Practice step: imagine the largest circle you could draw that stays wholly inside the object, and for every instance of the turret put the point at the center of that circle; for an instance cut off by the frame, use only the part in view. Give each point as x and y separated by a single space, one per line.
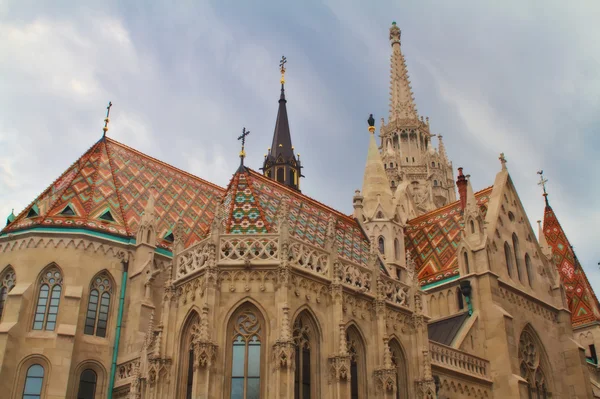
280 163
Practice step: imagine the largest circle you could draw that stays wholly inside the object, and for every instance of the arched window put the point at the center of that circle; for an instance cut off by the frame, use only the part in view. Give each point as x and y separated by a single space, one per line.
515 241
472 225
280 175
98 306
459 299
34 382
508 258
190 330
532 359
356 349
433 164
529 270
306 373
435 183
48 300
292 178
87 385
8 279
246 337
397 253
466 260
399 363
381 245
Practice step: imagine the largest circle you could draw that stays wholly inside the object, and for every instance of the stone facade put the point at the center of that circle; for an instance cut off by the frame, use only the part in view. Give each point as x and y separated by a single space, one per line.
258 291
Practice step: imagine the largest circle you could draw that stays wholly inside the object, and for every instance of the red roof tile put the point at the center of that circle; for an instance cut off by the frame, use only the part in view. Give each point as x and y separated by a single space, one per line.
115 178
433 240
583 303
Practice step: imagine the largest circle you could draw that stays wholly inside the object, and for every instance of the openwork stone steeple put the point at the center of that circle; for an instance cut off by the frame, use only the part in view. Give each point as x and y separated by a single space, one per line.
411 162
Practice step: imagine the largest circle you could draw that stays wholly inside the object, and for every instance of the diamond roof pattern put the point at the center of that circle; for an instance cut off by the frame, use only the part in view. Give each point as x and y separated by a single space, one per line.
583 303
115 178
433 240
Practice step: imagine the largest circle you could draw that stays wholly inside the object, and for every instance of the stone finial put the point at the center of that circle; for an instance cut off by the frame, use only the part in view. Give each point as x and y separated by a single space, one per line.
503 160
387 353
286 333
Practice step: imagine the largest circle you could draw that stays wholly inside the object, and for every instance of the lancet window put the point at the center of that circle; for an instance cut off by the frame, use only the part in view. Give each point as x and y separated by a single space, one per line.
357 363
48 301
530 359
508 258
8 280
399 363
96 318
381 245
302 374
515 241
529 270
246 339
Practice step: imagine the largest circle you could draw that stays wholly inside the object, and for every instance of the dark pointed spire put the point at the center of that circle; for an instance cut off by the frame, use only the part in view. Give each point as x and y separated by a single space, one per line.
281 163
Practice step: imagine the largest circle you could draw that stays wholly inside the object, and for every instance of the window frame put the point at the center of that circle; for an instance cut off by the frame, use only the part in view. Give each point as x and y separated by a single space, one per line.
45 280
19 384
101 289
95 382
263 339
5 286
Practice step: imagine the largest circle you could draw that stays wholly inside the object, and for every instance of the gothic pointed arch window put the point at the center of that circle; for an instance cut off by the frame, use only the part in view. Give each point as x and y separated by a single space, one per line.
356 349
8 280
190 330
459 299
245 353
49 293
96 318
306 357
508 258
466 261
381 245
516 250
529 270
280 175
400 364
533 365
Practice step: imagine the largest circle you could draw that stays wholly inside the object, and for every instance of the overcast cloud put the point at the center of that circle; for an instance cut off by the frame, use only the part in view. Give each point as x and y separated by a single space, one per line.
185 78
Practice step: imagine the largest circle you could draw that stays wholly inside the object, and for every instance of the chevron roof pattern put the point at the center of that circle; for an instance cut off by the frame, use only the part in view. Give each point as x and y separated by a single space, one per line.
253 201
107 189
583 303
433 240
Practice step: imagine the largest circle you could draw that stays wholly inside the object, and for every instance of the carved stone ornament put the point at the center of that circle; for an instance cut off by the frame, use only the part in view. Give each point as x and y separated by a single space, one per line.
385 379
205 353
283 354
339 368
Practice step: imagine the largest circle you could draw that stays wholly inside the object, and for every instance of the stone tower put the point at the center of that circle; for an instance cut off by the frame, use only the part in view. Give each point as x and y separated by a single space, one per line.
410 160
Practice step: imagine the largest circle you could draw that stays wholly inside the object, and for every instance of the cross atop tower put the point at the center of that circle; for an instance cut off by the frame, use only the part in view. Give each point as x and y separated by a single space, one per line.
243 138
503 160
106 120
282 68
542 183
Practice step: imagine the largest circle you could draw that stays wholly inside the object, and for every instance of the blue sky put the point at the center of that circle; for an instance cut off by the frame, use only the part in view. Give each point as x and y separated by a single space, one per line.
185 78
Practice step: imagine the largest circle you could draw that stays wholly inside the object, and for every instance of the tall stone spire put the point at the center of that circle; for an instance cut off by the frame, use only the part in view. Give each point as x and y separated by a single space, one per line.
280 163
407 151
376 188
402 104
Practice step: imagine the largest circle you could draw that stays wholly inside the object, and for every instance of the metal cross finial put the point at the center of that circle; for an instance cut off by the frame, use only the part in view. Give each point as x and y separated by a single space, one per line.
282 68
243 138
542 183
503 161
106 120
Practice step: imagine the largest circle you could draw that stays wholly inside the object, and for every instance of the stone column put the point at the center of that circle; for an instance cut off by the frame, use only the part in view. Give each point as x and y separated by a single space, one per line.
284 359
205 353
339 368
385 377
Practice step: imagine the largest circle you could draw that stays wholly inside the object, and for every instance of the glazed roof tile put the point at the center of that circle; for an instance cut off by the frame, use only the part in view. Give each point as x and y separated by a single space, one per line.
253 201
113 177
583 303
433 239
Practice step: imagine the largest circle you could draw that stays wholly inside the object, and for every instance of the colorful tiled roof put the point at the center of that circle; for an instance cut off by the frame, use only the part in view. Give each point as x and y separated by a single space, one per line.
433 240
583 303
252 201
107 188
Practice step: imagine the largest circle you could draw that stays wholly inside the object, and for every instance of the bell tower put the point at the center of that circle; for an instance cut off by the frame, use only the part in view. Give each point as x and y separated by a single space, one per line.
409 157
280 163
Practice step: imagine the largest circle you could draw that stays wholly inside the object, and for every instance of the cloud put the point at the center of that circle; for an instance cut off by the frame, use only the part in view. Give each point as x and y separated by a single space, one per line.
185 78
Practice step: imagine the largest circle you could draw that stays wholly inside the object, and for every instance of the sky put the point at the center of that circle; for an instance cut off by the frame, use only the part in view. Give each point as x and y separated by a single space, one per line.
185 77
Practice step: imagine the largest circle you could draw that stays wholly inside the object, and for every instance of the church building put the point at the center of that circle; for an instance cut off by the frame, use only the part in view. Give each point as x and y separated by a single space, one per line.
130 278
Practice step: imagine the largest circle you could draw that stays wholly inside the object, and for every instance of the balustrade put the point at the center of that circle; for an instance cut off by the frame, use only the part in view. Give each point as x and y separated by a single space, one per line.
447 357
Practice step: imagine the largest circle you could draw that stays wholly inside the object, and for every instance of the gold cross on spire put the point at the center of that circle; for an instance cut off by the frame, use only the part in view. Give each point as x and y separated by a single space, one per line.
243 138
106 120
542 183
503 161
282 68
